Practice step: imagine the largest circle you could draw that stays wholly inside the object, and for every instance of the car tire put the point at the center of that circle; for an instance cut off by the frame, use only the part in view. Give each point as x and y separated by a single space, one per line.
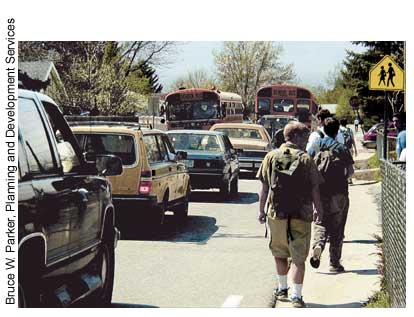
29 289
234 186
181 212
28 294
106 267
159 212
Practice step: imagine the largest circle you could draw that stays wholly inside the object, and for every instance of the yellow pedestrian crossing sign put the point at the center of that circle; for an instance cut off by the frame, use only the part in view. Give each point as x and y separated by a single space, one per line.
386 75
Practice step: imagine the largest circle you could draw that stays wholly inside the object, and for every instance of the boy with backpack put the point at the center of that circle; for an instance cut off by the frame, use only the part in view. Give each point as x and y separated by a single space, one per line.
288 198
348 135
319 133
335 163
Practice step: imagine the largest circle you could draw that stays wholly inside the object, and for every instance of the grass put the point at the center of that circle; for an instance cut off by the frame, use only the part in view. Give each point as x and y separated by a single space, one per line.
379 300
374 162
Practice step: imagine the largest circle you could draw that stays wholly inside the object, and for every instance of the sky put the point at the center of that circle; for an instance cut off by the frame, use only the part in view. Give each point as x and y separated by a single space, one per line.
312 60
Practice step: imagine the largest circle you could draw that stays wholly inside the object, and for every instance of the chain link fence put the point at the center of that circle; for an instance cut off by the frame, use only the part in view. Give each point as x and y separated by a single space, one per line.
391 143
393 205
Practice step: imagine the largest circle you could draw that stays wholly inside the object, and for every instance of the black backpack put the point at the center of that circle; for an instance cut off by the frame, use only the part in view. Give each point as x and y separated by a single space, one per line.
330 166
288 184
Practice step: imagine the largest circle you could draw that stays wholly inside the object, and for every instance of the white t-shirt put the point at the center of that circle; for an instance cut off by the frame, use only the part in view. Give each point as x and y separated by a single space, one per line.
402 155
314 137
356 122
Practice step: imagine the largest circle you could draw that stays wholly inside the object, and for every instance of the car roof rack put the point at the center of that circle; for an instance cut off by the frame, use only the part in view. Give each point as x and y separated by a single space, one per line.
129 121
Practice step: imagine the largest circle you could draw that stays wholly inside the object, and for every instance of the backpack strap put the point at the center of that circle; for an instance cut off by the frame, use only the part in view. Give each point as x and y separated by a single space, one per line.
321 134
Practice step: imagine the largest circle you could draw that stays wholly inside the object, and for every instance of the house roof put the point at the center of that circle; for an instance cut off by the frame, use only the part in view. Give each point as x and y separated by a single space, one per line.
38 69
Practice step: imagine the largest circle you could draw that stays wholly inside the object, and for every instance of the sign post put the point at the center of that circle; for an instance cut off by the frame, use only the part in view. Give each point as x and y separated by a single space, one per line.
386 75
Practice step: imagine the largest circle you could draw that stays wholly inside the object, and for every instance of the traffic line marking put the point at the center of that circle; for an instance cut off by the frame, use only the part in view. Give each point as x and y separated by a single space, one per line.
232 301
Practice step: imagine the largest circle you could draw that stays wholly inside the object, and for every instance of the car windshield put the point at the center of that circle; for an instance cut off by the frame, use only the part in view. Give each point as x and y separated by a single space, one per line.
195 110
195 142
240 133
120 145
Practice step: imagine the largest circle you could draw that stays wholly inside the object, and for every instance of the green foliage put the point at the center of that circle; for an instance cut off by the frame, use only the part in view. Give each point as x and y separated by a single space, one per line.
337 94
380 299
244 67
97 73
199 78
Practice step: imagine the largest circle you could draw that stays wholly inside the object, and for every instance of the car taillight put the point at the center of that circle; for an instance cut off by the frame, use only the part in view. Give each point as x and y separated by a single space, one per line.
145 187
145 184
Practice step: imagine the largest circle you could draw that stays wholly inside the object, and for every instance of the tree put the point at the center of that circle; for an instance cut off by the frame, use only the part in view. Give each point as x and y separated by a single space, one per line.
198 78
100 73
243 67
356 75
335 92
139 53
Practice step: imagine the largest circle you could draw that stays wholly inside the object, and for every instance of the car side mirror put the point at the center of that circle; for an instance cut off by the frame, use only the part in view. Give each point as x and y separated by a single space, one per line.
181 155
108 165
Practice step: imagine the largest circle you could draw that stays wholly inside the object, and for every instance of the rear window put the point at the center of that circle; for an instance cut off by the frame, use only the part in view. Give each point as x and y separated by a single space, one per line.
195 142
239 133
121 145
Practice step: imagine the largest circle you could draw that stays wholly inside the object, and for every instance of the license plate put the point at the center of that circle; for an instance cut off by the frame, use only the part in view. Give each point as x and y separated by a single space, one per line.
243 164
189 163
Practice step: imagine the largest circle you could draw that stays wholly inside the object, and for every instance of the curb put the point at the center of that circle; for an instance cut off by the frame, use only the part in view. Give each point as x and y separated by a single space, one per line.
366 174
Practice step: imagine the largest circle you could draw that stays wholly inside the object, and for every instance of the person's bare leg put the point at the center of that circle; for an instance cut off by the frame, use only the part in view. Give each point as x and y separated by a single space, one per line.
282 269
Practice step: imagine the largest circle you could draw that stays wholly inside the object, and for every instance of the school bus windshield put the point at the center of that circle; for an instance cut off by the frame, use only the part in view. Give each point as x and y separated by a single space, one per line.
194 110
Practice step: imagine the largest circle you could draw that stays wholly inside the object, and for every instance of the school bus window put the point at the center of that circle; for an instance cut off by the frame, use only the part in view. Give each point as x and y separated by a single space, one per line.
303 104
283 105
264 105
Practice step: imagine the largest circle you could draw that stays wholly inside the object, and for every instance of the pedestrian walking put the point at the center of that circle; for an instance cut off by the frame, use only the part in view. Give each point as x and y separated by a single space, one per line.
349 139
290 188
319 133
356 124
335 163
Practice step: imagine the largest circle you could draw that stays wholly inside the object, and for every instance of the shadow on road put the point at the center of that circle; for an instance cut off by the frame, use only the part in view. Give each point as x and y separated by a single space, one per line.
126 305
210 196
345 305
243 175
196 229
361 241
359 272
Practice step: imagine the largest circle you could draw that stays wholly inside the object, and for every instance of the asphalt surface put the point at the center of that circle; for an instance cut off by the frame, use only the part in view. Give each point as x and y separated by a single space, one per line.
220 257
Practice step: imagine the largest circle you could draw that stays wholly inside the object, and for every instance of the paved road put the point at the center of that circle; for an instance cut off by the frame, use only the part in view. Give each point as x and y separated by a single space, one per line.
220 257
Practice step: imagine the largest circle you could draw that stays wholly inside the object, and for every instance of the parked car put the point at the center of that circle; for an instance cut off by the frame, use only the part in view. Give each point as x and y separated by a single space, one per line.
154 180
67 234
371 135
211 159
250 140
273 123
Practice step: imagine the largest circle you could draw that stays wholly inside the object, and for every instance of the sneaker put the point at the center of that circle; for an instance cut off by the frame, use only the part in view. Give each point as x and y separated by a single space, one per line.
315 260
280 293
336 268
297 302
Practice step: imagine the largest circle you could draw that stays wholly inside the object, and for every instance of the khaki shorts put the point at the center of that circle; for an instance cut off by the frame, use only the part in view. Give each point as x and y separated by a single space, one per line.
282 247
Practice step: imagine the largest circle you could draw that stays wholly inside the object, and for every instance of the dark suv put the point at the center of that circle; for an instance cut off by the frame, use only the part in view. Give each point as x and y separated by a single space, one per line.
66 215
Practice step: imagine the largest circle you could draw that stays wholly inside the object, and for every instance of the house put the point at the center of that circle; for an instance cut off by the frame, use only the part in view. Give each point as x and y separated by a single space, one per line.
39 75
